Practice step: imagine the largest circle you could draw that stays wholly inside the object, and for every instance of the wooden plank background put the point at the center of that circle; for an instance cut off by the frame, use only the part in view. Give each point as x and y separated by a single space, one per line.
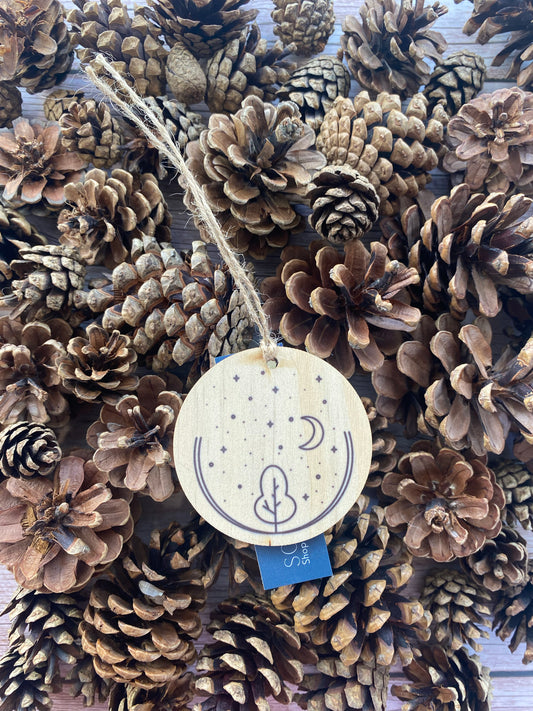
513 683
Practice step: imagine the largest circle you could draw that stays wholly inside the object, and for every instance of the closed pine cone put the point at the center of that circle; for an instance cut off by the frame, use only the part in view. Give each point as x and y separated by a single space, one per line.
133 438
15 232
513 615
308 24
384 453
460 610
501 563
252 166
99 367
394 148
57 102
22 690
341 307
245 67
360 612
386 48
28 449
141 621
344 204
445 682
131 44
35 44
255 653
89 128
10 104
447 504
58 533
491 139
455 81
517 483
105 213
314 86
175 696
30 386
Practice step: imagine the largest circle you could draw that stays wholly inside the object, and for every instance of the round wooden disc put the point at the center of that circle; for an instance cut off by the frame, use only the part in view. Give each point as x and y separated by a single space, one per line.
272 456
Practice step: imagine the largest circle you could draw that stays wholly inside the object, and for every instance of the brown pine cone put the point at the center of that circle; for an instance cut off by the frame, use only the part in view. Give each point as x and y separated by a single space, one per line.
445 682
19 690
99 367
30 386
35 44
10 104
501 563
386 48
36 166
459 609
341 307
89 129
252 166
493 17
85 682
133 438
516 482
344 204
314 86
245 67
58 533
308 24
140 623
131 44
395 149
513 615
455 81
203 26
360 612
255 653
450 503
57 102
384 453
175 696
15 232
28 449
106 213
491 139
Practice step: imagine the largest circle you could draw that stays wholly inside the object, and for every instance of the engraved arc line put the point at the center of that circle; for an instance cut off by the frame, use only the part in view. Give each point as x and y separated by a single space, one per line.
316 425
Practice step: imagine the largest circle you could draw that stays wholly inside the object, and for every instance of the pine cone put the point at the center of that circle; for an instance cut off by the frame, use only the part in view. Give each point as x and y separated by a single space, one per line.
344 204
131 44
235 168
10 104
445 682
85 682
450 502
140 623
30 386
360 612
35 44
459 609
385 50
384 453
516 482
133 438
36 166
394 149
501 563
255 653
314 86
491 138
493 17
341 307
513 616
308 24
20 691
15 232
106 213
179 307
455 81
57 102
172 697
58 533
89 129
28 450
49 275
245 67
99 367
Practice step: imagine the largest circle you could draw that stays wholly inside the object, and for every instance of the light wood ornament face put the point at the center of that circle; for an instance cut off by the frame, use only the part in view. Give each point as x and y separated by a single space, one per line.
272 456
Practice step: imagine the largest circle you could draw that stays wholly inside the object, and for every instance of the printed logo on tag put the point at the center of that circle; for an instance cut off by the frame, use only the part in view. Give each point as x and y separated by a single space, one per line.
294 563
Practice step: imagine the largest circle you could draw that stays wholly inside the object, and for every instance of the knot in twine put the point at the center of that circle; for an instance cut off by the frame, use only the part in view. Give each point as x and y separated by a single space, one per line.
134 108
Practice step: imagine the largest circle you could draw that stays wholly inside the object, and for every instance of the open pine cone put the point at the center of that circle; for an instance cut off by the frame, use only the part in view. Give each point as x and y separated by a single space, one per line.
455 81
174 696
501 563
513 617
15 232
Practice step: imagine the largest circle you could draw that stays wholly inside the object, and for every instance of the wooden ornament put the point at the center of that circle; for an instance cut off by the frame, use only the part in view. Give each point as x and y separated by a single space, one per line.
272 456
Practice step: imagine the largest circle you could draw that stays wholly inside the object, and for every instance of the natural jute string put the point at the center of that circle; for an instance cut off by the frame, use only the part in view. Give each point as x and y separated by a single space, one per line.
161 138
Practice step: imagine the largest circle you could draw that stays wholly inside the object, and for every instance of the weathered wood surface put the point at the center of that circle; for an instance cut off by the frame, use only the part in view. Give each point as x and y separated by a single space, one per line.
513 682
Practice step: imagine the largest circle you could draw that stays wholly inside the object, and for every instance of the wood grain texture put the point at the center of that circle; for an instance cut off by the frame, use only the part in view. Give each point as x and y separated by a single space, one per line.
513 683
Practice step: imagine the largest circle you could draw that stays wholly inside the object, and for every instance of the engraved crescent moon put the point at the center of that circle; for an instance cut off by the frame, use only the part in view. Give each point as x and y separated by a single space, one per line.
318 433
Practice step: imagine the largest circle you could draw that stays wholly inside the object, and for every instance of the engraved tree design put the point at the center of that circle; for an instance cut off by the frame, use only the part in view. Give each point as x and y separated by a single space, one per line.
274 505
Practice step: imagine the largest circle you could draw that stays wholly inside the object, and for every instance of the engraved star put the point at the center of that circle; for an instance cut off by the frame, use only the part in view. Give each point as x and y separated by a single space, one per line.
275 389
223 450
270 423
318 379
236 378
334 449
305 497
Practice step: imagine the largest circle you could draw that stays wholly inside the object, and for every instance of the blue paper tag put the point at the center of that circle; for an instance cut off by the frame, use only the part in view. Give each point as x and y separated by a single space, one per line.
294 563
